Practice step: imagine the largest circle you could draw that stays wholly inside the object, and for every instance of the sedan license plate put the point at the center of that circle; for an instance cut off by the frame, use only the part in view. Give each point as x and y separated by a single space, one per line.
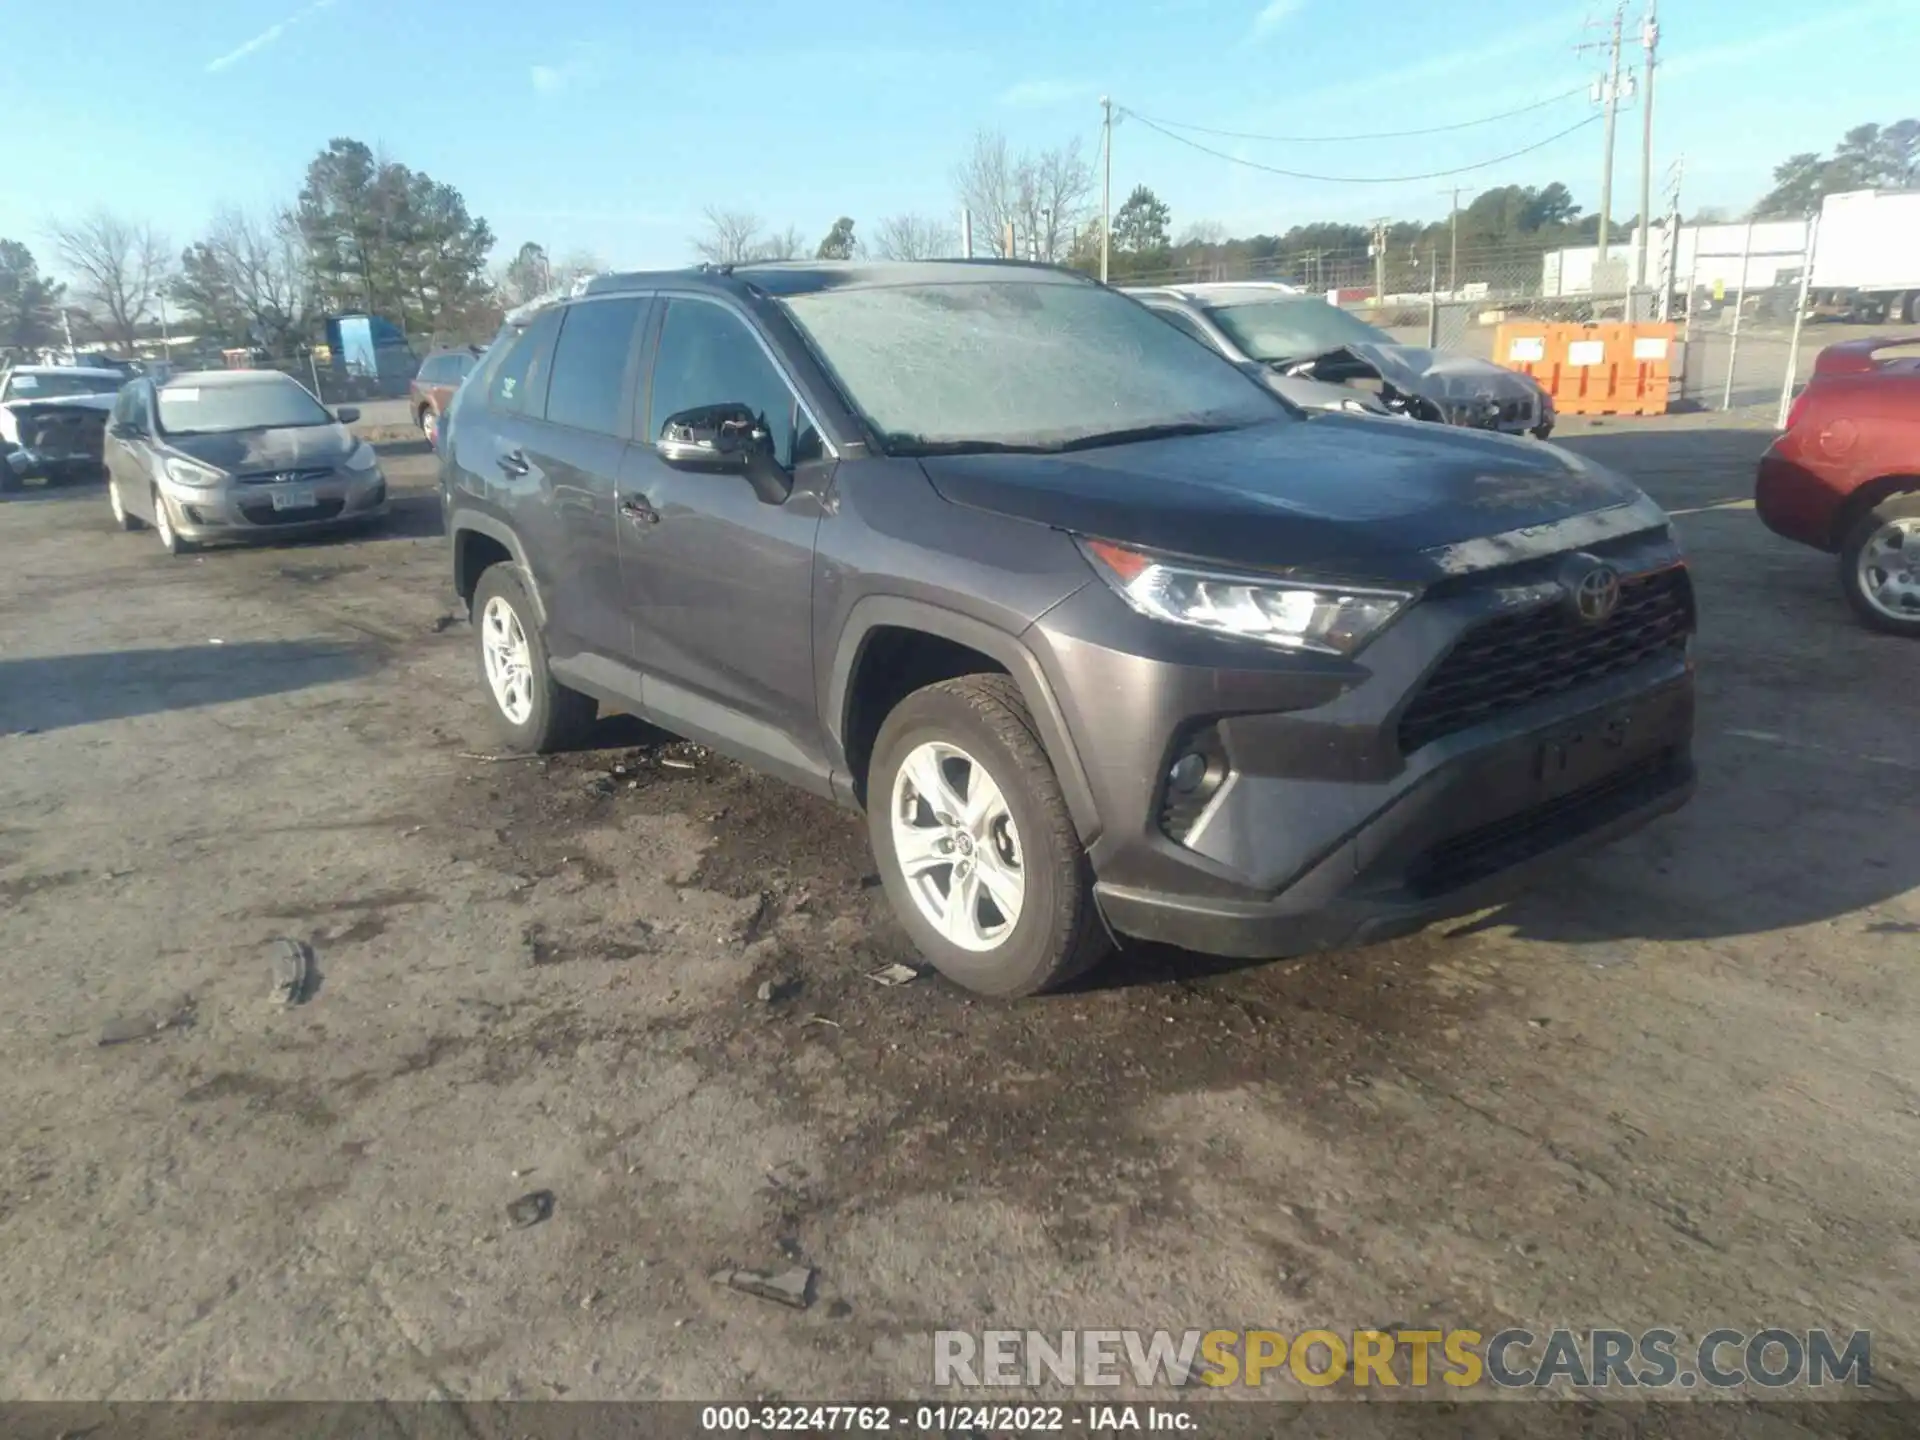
293 497
1575 758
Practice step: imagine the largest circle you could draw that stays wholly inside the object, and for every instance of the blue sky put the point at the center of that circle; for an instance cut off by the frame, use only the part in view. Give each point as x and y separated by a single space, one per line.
608 124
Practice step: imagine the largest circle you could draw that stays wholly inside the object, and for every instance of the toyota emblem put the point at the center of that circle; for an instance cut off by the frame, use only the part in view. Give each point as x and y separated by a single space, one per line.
1597 594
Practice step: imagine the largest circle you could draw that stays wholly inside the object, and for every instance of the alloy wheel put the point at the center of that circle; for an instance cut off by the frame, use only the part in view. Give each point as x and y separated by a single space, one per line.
1888 573
508 660
957 846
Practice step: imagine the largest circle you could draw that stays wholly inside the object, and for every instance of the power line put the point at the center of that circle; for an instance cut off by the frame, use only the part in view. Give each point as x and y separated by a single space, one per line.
1364 179
1374 135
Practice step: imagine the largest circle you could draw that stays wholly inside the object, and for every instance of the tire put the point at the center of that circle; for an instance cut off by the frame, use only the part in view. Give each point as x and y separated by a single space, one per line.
982 720
1886 542
1913 308
122 517
1541 432
542 715
170 540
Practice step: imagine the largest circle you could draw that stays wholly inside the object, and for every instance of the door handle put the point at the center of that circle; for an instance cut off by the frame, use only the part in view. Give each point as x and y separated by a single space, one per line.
640 512
513 462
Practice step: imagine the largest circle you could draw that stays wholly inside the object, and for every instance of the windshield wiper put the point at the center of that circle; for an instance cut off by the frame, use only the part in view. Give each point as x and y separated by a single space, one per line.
1143 432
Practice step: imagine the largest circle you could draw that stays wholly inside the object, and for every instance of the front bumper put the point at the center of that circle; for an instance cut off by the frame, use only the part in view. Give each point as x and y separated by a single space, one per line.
1325 832
235 511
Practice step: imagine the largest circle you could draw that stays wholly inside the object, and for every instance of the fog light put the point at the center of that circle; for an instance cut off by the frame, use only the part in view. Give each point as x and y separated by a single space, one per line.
1187 773
1193 779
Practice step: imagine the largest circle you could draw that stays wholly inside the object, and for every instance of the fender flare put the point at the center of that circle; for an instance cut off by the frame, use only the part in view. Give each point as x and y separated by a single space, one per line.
480 523
890 611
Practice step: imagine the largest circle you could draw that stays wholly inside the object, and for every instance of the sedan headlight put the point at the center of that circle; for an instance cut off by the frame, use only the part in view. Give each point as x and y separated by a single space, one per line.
192 473
1333 619
362 457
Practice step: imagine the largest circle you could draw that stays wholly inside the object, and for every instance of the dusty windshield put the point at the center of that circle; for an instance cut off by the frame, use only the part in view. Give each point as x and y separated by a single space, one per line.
267 405
1018 364
1293 329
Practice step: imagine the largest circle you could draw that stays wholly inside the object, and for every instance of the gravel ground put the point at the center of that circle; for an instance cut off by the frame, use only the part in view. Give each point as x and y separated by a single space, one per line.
1678 1086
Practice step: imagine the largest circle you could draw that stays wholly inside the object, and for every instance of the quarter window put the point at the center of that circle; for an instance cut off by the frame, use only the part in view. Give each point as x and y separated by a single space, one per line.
519 385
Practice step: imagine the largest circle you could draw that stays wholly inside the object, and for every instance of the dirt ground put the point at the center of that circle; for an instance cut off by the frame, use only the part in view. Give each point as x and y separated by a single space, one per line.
1678 1086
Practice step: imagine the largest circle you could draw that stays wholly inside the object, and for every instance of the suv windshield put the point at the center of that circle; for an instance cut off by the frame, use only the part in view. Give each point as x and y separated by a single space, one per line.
1296 328
53 387
255 405
1018 365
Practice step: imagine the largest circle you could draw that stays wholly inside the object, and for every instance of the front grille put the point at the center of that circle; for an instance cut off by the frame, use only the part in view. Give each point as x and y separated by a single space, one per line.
286 477
1488 849
1514 660
264 514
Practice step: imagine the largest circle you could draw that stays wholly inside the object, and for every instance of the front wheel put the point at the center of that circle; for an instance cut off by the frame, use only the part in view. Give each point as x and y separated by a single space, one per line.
535 712
1880 565
122 517
976 849
163 527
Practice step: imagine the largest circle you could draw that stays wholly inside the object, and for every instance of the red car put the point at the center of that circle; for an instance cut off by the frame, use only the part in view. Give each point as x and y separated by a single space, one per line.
431 390
1845 477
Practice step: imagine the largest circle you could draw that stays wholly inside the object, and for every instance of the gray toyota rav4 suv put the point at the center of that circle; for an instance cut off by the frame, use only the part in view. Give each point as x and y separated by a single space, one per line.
1102 636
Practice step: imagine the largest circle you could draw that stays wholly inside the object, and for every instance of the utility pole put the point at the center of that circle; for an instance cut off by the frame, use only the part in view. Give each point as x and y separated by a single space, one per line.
1106 183
66 324
1609 96
1380 263
1649 41
1453 244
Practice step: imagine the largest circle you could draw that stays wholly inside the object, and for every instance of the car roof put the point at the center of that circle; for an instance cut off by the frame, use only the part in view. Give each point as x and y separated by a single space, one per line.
91 371
804 277
1224 292
224 379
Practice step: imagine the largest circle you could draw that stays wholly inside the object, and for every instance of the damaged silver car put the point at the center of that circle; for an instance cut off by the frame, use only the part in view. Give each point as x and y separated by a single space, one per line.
1323 358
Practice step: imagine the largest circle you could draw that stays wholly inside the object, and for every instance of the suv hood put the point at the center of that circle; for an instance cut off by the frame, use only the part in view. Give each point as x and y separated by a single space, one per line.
1343 495
291 447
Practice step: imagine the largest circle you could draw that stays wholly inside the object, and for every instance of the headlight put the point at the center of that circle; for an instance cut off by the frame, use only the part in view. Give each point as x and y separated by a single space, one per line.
362 457
1334 619
192 473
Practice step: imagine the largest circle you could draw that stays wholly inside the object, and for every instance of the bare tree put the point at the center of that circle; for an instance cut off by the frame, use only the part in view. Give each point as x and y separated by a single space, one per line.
118 268
786 244
1056 192
986 185
732 236
246 279
1201 232
914 237
578 265
1043 195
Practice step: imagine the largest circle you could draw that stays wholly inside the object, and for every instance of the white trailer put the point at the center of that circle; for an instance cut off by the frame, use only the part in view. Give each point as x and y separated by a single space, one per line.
1867 258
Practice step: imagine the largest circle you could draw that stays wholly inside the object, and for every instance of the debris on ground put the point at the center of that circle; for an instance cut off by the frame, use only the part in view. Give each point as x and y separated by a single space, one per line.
772 991
496 759
178 1016
673 764
792 1286
530 1209
292 971
444 623
894 974
765 911
822 1020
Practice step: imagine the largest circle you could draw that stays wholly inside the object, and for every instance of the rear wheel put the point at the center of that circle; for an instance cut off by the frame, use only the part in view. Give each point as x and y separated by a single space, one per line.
535 712
1880 565
975 846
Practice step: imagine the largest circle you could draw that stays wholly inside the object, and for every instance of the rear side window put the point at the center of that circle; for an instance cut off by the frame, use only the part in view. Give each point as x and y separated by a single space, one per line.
518 386
589 386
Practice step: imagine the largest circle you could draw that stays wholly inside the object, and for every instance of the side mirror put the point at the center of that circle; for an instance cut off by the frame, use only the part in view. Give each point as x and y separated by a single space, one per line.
347 414
725 440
